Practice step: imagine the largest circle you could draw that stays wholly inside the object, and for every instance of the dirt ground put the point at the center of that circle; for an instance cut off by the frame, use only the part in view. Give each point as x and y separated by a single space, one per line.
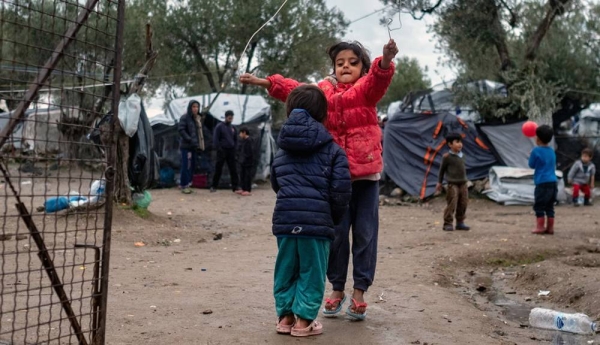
187 286
205 273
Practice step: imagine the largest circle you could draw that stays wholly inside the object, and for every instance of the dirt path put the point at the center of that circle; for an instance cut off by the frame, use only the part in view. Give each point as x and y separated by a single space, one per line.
427 279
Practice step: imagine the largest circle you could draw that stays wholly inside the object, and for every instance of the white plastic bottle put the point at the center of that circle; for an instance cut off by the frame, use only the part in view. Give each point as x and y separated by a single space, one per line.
552 319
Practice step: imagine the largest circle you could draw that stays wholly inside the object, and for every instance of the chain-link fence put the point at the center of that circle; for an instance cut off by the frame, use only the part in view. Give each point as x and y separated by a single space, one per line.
60 61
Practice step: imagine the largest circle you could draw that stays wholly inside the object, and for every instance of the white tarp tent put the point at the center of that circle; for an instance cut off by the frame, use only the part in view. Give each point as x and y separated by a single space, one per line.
246 108
252 111
515 186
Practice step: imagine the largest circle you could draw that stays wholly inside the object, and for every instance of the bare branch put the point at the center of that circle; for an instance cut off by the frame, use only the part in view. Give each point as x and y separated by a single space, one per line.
426 11
513 15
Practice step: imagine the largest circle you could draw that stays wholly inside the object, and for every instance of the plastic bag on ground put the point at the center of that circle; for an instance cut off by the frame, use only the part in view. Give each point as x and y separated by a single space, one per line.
142 200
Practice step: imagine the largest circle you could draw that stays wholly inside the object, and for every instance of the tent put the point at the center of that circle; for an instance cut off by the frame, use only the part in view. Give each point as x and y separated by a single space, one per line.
508 143
38 132
514 186
414 145
250 111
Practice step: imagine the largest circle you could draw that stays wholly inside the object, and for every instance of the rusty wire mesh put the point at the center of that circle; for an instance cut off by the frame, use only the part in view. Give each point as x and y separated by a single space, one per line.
54 206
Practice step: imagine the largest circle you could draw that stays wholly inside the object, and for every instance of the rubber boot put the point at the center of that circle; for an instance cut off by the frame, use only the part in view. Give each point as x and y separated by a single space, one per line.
587 202
539 229
576 202
550 226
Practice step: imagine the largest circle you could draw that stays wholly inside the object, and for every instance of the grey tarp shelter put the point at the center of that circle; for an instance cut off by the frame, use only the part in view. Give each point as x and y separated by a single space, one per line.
414 144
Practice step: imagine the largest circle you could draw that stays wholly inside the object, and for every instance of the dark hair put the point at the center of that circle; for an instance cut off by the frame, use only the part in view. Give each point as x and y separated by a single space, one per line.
588 152
452 137
245 130
309 98
356 47
544 133
229 113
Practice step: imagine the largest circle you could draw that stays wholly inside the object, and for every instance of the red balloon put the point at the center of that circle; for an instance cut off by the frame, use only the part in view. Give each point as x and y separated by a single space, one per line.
529 128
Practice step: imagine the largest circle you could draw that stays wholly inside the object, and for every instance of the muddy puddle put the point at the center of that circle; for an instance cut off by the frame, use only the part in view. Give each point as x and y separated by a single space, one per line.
489 293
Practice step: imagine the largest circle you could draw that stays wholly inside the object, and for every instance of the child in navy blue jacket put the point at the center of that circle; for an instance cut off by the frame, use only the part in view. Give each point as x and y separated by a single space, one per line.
311 177
543 160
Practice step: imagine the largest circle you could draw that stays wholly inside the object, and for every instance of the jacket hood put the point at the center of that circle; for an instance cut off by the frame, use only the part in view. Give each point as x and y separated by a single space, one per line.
302 133
189 108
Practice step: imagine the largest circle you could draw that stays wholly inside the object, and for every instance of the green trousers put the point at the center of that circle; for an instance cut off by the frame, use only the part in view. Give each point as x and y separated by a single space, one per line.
300 272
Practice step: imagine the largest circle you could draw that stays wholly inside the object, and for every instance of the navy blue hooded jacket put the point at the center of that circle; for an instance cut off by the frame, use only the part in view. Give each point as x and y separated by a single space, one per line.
188 129
311 177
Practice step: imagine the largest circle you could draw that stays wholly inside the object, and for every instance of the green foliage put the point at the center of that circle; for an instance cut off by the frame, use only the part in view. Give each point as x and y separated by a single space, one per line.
409 76
201 41
31 30
497 40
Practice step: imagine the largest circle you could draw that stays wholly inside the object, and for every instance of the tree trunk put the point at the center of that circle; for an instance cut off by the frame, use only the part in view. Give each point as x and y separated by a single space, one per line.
556 8
122 190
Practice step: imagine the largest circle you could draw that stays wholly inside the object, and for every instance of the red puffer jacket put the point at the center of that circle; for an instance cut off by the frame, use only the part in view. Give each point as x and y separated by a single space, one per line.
351 115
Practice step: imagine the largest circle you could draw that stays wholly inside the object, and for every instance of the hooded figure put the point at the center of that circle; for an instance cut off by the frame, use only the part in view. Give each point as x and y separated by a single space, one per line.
192 141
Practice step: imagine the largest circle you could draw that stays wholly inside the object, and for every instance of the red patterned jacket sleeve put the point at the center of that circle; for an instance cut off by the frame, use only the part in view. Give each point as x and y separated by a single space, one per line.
281 87
374 86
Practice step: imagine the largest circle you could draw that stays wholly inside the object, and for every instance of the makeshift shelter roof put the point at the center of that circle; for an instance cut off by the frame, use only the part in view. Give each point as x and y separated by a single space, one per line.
246 108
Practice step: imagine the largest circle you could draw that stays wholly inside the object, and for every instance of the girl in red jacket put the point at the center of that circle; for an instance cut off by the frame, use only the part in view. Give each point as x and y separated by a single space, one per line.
352 96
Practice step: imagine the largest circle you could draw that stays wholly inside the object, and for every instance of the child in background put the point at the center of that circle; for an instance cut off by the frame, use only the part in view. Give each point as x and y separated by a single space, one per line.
543 160
246 161
457 196
311 178
352 96
582 176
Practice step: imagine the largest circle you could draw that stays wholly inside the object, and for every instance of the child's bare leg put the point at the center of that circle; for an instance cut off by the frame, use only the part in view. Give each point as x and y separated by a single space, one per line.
287 320
358 295
302 323
334 295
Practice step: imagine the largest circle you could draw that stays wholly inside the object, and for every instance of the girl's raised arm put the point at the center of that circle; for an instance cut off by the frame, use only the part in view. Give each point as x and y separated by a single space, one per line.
377 81
277 86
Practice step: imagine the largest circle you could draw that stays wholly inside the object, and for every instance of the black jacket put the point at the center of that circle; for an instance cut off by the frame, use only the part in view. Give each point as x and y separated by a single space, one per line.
188 129
311 177
246 158
225 136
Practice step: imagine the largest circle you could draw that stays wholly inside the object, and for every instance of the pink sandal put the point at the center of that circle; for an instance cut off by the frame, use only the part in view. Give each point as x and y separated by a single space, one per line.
284 329
354 315
315 328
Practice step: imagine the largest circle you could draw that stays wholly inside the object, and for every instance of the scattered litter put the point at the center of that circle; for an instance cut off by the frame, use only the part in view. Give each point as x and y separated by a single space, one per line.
26 182
594 241
82 268
543 293
436 223
169 213
511 292
153 307
447 318
177 240
481 288
21 237
590 342
207 311
381 299
218 236
203 269
189 269
528 299
139 244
